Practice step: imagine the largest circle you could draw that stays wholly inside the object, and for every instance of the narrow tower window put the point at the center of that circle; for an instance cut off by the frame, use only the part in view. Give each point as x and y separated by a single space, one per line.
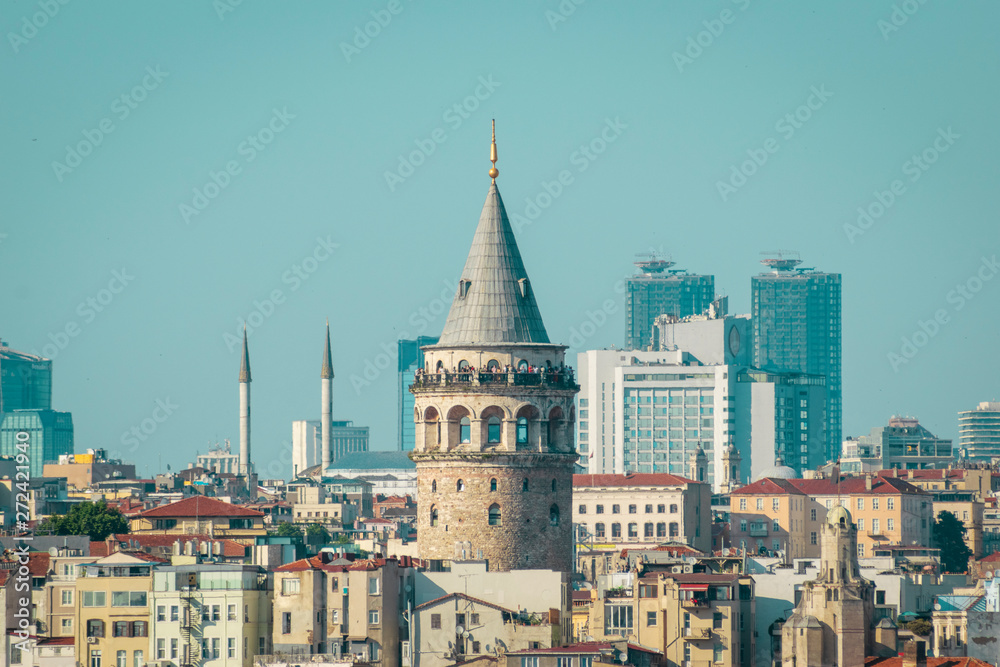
463 287
464 430
434 486
494 515
460 486
434 515
524 485
493 430
554 515
493 484
554 484
522 431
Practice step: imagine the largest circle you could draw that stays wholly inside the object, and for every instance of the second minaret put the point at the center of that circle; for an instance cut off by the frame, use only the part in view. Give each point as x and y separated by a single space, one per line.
326 392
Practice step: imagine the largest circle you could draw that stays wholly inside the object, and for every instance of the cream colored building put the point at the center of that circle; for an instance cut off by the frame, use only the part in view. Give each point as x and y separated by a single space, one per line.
786 516
201 515
112 611
340 608
65 565
642 509
206 613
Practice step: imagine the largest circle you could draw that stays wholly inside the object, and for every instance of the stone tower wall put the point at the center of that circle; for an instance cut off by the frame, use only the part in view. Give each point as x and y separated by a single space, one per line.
526 538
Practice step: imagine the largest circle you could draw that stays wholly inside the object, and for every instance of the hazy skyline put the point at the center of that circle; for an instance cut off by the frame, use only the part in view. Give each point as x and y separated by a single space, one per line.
241 155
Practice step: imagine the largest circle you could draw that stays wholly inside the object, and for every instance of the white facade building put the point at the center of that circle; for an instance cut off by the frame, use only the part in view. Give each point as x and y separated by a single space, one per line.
644 411
345 438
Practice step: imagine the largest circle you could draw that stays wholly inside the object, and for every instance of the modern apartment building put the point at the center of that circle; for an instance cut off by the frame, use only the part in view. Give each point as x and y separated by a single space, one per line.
46 433
25 381
903 443
209 613
796 315
659 290
979 432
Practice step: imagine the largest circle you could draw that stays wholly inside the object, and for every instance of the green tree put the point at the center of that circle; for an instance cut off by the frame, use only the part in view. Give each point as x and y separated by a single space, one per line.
317 534
919 626
948 534
95 520
287 529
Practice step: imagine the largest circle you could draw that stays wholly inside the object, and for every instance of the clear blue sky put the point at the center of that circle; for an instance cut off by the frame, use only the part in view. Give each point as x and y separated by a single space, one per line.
329 122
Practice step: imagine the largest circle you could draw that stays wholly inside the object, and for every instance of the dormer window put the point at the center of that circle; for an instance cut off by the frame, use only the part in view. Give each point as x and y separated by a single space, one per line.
463 288
523 285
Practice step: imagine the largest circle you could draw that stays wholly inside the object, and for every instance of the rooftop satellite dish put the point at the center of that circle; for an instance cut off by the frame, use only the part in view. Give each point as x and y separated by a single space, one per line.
937 606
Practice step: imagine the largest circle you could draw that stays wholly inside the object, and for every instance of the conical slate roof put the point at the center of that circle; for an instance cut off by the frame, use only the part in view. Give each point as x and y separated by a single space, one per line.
326 372
494 302
245 363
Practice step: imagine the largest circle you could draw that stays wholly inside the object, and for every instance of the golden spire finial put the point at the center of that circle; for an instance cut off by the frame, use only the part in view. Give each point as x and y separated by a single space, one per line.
493 154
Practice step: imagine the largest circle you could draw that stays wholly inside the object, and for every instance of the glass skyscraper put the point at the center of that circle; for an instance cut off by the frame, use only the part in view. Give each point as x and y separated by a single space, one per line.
659 290
410 357
25 381
979 432
49 434
797 328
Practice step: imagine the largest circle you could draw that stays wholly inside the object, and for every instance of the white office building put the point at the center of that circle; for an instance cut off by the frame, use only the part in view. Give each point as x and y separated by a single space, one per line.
649 411
345 438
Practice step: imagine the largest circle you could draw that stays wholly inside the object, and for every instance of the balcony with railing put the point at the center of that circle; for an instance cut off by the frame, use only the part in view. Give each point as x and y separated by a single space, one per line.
758 529
697 634
562 378
699 602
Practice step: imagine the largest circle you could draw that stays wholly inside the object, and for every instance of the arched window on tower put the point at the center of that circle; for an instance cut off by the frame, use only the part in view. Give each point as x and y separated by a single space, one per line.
460 486
554 485
493 366
522 430
522 366
493 430
434 515
464 430
554 515
524 485
494 515
493 484
434 486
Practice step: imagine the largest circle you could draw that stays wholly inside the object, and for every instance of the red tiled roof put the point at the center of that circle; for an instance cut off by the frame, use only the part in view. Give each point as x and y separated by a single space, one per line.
199 506
316 563
4 576
847 486
992 558
768 487
56 641
38 563
463 596
632 479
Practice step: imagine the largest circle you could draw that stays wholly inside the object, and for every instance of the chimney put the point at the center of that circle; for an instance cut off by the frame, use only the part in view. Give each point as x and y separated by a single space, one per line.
868 482
914 654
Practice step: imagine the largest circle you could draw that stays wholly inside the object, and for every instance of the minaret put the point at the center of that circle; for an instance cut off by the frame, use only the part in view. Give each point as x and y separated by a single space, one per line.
494 417
326 392
245 465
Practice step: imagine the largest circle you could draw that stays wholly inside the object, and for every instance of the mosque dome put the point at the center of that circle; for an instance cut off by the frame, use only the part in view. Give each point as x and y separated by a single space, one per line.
777 471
